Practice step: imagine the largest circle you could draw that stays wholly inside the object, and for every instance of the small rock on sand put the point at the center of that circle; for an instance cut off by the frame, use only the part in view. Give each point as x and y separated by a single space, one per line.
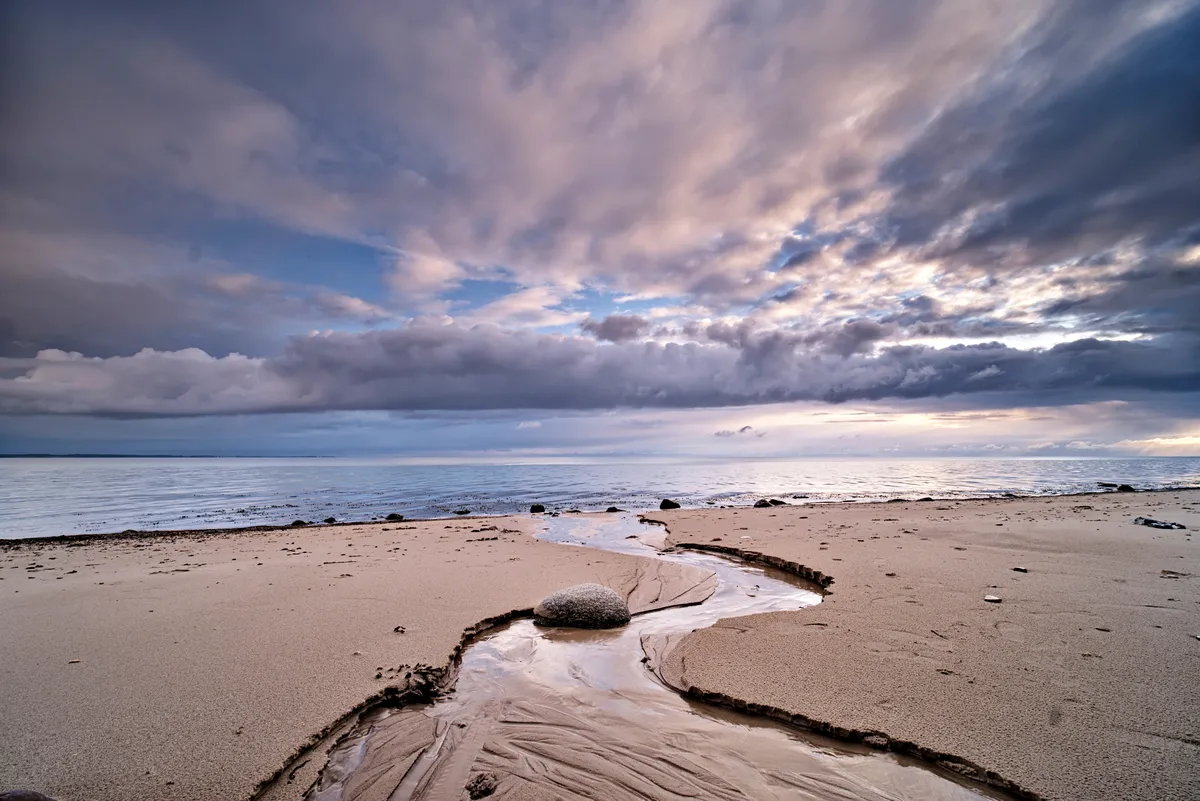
584 606
1125 488
482 785
1020 570
536 509
667 503
992 599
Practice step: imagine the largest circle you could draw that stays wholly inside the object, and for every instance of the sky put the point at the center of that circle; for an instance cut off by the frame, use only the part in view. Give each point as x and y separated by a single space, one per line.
600 228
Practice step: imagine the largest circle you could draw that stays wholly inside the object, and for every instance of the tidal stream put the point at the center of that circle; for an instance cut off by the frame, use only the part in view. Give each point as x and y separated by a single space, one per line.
576 714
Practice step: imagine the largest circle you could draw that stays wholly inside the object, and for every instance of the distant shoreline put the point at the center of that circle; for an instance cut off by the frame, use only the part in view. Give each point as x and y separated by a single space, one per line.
72 540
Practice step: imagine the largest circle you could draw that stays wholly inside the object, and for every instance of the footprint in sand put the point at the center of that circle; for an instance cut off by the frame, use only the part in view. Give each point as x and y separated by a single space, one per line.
1009 631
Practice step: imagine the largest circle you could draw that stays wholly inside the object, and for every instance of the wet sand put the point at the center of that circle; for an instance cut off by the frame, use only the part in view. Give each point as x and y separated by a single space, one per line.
205 662
1082 683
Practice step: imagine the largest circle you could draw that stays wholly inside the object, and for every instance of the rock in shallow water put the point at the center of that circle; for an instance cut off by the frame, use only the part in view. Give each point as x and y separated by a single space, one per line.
667 503
584 606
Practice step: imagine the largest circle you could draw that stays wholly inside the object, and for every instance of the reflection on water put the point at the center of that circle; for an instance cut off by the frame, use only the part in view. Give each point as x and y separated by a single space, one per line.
41 497
568 713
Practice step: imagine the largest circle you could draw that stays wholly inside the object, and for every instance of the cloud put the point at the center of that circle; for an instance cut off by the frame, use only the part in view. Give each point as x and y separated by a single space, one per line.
427 365
1046 160
744 431
616 327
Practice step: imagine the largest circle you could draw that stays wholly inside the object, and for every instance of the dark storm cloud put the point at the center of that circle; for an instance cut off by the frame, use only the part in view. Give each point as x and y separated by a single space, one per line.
1151 299
616 327
1052 161
221 314
426 365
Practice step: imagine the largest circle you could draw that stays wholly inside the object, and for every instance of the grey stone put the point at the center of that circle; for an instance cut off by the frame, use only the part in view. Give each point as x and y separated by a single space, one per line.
584 606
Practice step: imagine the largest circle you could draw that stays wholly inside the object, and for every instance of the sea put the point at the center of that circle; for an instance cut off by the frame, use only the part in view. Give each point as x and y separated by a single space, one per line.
50 496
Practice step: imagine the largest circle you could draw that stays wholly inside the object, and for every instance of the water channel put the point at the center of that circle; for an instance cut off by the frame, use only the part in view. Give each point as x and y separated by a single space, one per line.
576 714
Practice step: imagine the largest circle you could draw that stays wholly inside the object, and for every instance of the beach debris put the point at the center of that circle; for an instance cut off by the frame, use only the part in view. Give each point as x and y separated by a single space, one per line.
1152 523
394 518
74 661
1020 570
992 599
584 606
762 503
482 785
667 503
536 509
399 629
1108 484
1173 574
331 520
613 509
24 795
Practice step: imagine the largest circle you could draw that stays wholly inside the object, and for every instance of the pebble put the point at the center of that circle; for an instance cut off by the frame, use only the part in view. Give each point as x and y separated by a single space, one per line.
992 599
1020 569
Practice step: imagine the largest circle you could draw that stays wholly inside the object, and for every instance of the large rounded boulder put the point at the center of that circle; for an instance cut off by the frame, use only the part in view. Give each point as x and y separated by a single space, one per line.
584 606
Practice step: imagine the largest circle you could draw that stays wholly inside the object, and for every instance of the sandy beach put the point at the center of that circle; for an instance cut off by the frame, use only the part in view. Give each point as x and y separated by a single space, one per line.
1082 683
195 666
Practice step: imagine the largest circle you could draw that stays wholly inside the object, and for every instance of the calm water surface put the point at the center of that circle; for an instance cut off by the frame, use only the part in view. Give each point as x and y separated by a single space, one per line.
40 497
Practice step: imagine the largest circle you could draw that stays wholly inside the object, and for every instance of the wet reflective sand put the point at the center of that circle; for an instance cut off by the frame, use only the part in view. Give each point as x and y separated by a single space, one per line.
563 713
